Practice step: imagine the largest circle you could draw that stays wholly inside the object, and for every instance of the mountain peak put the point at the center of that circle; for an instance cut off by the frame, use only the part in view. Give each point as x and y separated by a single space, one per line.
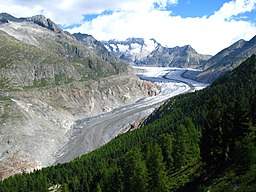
44 22
227 59
152 39
96 46
135 40
40 20
39 17
188 47
131 49
141 51
80 36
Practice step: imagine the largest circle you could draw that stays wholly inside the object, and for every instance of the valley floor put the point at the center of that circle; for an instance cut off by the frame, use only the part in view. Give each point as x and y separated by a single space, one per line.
91 133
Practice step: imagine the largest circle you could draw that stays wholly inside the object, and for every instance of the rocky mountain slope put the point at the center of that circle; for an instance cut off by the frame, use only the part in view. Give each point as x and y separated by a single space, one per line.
49 79
96 46
151 53
227 59
181 57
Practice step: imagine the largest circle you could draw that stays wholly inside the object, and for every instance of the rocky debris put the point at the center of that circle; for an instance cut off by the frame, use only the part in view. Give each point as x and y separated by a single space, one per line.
40 121
106 109
101 129
94 96
137 123
16 164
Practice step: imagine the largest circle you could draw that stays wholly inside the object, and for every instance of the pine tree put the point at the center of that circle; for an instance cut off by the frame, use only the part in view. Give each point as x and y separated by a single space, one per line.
194 136
64 188
158 179
212 132
135 172
115 180
244 154
181 149
253 110
166 143
75 184
98 188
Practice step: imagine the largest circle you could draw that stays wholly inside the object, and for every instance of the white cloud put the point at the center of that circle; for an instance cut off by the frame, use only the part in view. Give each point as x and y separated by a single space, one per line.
163 3
67 12
141 18
233 8
206 34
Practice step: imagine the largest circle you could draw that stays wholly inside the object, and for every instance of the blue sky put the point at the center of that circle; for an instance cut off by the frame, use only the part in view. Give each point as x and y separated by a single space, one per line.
184 8
196 8
90 17
207 25
188 8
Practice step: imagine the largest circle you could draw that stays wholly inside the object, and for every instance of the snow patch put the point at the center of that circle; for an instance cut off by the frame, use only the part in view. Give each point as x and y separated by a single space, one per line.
123 48
115 48
150 45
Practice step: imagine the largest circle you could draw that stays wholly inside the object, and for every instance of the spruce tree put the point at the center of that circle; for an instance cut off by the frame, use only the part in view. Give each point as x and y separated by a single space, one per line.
166 143
158 179
135 172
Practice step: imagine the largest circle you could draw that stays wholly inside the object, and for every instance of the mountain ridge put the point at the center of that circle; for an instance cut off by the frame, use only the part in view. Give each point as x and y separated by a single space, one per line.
227 59
95 45
149 52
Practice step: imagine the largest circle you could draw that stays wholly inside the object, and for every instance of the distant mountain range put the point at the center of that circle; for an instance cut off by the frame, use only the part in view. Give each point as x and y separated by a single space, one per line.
139 51
149 52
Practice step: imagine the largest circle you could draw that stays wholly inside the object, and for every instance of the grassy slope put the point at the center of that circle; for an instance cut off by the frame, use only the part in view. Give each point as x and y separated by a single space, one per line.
64 57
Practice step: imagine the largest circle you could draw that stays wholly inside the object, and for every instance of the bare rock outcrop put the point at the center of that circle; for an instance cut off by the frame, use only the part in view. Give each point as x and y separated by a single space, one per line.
149 88
36 122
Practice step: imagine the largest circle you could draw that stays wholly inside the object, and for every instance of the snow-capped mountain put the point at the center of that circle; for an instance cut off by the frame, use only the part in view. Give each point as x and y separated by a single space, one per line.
139 51
132 49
